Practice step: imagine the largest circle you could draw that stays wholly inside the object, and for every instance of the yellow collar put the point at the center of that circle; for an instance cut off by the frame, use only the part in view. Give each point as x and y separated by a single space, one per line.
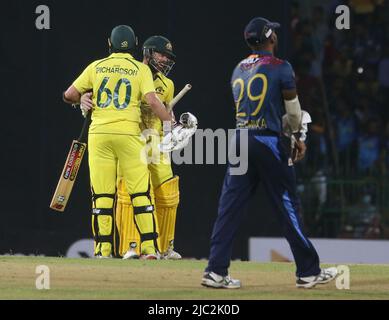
121 55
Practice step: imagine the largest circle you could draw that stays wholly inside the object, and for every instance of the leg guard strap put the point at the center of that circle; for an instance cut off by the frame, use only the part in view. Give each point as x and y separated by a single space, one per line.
96 196
148 236
102 212
144 209
103 239
141 194
102 195
98 212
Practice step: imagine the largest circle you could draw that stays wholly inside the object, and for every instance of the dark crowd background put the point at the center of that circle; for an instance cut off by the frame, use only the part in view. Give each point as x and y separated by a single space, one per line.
342 80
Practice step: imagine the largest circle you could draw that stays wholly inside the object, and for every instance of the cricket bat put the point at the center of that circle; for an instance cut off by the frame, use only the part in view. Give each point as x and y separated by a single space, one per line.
70 170
178 97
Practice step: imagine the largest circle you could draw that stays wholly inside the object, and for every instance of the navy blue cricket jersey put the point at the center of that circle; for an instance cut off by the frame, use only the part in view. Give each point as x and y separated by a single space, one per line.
257 84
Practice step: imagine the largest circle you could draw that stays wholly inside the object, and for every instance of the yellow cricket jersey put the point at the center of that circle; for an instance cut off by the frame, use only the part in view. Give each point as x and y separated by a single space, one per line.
119 82
164 87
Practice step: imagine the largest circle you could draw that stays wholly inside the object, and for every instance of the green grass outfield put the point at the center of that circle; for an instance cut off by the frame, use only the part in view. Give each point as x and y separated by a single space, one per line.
117 279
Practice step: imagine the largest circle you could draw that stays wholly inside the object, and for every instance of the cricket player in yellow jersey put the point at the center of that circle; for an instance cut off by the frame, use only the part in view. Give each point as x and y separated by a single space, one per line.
118 83
158 55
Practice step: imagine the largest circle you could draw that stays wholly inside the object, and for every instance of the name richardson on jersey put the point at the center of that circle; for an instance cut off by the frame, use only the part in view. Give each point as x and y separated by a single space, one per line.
117 70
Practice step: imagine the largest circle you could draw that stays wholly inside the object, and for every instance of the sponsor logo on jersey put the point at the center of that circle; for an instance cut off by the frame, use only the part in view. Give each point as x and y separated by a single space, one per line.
160 90
252 124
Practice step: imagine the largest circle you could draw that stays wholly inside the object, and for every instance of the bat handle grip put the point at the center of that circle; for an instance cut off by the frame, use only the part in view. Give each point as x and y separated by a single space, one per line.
84 130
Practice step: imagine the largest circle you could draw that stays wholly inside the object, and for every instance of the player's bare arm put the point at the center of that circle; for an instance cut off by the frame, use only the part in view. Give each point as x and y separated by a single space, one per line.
71 95
157 107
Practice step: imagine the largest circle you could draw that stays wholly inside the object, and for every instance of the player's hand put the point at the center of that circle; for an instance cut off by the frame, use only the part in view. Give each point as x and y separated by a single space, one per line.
86 103
188 120
298 151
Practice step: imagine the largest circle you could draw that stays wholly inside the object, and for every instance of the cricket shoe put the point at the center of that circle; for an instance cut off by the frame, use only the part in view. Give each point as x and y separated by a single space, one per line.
151 256
325 276
130 254
213 280
171 255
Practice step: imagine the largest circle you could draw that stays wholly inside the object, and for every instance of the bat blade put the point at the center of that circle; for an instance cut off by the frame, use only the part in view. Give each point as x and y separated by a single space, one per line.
68 176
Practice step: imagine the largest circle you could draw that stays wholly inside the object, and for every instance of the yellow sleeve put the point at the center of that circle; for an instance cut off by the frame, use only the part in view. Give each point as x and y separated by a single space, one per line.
85 81
147 83
170 93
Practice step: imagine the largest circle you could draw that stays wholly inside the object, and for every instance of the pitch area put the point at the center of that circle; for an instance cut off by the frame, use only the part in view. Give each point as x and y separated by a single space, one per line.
117 279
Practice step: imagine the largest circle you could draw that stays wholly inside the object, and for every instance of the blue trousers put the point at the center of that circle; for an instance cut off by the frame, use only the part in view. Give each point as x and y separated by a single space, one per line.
268 162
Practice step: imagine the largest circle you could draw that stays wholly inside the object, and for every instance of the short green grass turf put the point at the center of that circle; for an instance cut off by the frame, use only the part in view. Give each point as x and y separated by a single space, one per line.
173 280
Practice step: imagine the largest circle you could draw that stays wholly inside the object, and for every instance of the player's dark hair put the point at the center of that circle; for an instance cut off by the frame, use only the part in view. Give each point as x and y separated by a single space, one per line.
113 50
131 51
260 47
268 44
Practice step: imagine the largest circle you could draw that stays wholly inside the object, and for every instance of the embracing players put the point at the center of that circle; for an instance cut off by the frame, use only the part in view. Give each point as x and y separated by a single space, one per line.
164 192
119 83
